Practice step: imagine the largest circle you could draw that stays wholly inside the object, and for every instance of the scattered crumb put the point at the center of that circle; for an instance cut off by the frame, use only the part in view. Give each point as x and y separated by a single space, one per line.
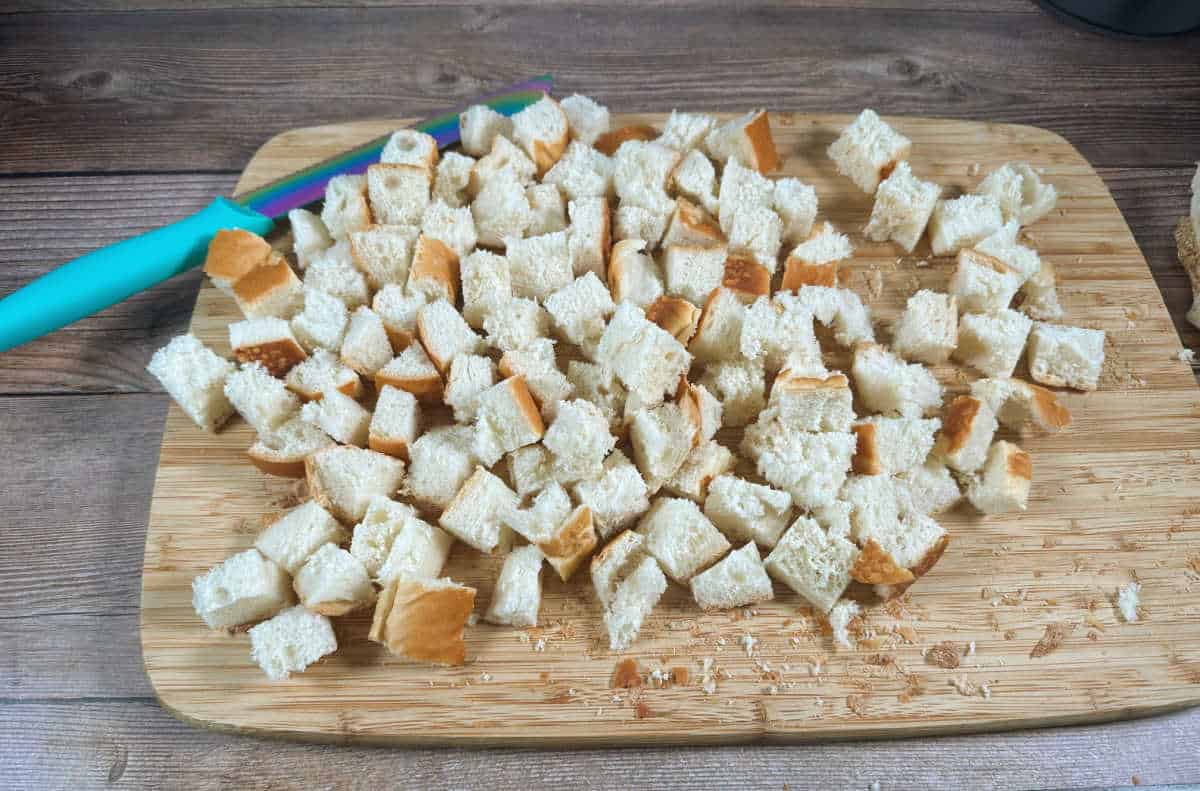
1127 601
943 654
1052 639
1186 356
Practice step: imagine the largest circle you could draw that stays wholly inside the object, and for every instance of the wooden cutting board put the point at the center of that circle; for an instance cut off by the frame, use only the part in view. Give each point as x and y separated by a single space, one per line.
1116 498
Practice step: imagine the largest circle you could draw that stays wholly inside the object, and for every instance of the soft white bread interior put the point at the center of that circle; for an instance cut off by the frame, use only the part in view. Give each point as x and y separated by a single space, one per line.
479 126
395 423
868 150
966 434
886 384
890 445
578 440
366 347
260 398
746 511
344 479
517 596
903 206
737 580
1003 484
617 498
268 341
290 642
1062 356
506 418
1018 190
586 118
283 451
478 513
992 343
410 147
333 582
321 323
440 461
194 376
811 562
423 619
927 331
339 416
246 587
962 222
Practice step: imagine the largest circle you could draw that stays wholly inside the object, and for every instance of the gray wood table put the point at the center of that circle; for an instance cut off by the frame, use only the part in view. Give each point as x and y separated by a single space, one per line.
118 116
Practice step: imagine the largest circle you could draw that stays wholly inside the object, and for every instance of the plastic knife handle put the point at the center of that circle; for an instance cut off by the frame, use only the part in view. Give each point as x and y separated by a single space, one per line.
105 277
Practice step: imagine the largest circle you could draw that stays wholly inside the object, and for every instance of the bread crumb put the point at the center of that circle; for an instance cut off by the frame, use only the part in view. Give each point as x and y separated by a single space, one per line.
1127 601
1186 356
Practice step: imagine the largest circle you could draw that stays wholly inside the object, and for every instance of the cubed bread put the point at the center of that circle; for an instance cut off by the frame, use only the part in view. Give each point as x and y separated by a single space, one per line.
903 206
410 147
746 138
383 253
695 178
719 331
931 487
796 204
506 418
815 261
478 512
1002 486
685 131
290 642
739 579
640 173
309 236
470 375
283 451
635 597
395 423
453 227
966 434
581 309
1019 192
890 445
268 341
339 416
398 193
548 208
515 324
633 276
610 141
1003 246
589 236
452 178
617 497
582 172
504 160
992 343
1019 404
333 272
809 467
440 461
886 384
1063 356
811 562
246 587
706 461
537 365
982 284
646 358
194 376
692 272
747 279
366 347
740 386
539 265
333 582
423 619
662 438
434 273
346 208
927 331
501 211
234 253
320 372
680 537
757 232
641 223
261 399
445 334
746 511
691 226
373 536
344 479
599 385
1039 294
867 151
703 407
321 323
776 329
812 403
486 284
962 222
413 371
269 290
517 596
479 126
549 508
542 130
418 551
586 119
839 308
578 440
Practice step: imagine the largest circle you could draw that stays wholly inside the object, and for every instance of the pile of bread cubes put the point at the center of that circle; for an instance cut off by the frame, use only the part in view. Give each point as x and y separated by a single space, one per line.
473 346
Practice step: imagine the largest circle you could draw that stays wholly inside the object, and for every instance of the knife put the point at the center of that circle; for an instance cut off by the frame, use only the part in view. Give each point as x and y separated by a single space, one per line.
107 276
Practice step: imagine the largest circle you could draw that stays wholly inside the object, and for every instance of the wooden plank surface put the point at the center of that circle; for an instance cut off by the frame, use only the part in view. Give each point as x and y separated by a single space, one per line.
1115 499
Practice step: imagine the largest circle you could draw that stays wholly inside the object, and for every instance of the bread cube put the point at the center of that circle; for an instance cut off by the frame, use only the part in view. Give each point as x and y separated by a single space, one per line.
1003 484
516 323
445 335
268 341
889 445
695 178
640 223
339 416
418 551
867 151
719 330
931 487
1039 296
814 261
1018 404
740 386
736 581
246 587
398 194
504 161
962 222
589 237
640 172
635 597
283 450
441 460
633 276
811 562
396 422
685 131
746 511
586 119
506 418
966 434
580 310
662 438
501 211
746 138
927 331
645 357
542 129
617 497
479 126
269 290
413 371
693 272
775 329
690 226
903 206
578 439
260 398
334 273
887 385
383 253
582 172
809 467
539 265
992 343
1019 192
452 178
423 619
1002 245
346 208
453 227
333 582
982 284
320 372
194 376
518 593
706 461
373 536
410 147
1066 356
478 513
812 403
839 308
232 254
309 236
756 232
344 479
290 642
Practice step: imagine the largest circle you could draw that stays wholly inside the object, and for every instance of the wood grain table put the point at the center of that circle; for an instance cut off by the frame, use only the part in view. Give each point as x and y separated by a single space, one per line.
116 117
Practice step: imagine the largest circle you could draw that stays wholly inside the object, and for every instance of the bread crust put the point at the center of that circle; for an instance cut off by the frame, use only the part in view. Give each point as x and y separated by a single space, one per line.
957 424
875 566
417 620
277 356
571 544
426 388
395 447
758 135
866 455
434 260
263 280
610 141
233 253
747 279
675 315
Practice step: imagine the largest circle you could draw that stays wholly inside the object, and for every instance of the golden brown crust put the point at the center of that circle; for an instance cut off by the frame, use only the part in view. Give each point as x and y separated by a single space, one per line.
981 259
747 279
1049 413
233 253
423 620
526 403
263 280
433 260
395 446
284 468
277 356
957 424
866 454
797 272
675 315
875 566
426 388
571 543
1020 465
610 141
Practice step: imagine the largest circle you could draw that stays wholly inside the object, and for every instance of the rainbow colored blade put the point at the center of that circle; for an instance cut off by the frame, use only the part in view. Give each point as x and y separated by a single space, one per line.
307 185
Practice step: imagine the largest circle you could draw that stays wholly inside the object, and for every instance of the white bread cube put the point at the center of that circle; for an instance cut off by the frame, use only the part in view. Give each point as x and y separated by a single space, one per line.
548 208
290 642
662 438
742 189
903 206
479 126
690 226
410 147
515 324
434 273
703 407
814 261
423 619
757 232
506 418
746 511
334 273
339 416
470 375
530 469
283 451
333 582
645 357
418 551
931 487
321 324
1003 246
1019 404
586 118
445 335
478 513
811 562
617 498
270 290
1063 356
536 364
776 330
322 371
453 227
383 253
570 543
269 341
398 194
927 331
542 129
194 376
486 284
1039 296
501 211
396 422
685 131
344 479
992 343
737 580
452 178
890 445
641 223
635 597
346 208
746 138
504 160
581 309
681 538
518 593
1019 191
582 172
966 434
839 308
962 222
809 467
982 284
740 386
633 275
245 587
719 331
695 179
707 461
693 272
1003 484
887 385
366 347
373 536
261 399
540 265
640 172
867 151
309 235
589 236
796 204
578 440
413 371
812 403
549 508
599 385
441 460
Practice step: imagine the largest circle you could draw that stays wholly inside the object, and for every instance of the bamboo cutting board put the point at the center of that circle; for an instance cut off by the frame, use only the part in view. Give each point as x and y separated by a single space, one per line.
1026 601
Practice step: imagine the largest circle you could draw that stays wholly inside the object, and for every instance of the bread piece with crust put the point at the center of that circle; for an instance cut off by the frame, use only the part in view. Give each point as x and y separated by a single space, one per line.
992 343
333 582
322 371
291 539
962 222
245 587
339 416
283 451
811 562
344 479
633 276
719 331
1019 191
518 593
537 365
441 460
903 206
888 385
1019 404
738 580
681 538
966 434
396 422
747 138
399 194
542 129
478 513
617 497
814 262
261 399
269 290
1066 356
890 445
413 371
746 511
479 126
410 147
445 335
589 236
486 285
290 642
927 331
424 619
868 150
346 208
1003 484
383 253
233 254
195 377
506 418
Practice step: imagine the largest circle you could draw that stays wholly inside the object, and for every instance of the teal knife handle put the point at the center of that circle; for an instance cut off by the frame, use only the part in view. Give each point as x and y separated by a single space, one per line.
92 282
